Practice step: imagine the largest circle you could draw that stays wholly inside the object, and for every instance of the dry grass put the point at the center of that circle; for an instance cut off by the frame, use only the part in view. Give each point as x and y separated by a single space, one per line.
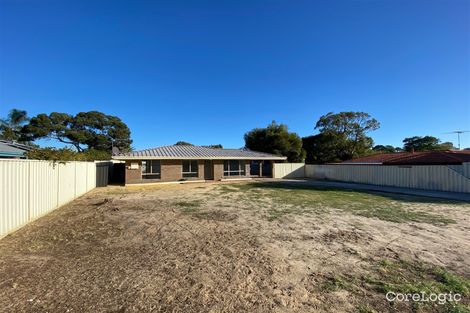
237 248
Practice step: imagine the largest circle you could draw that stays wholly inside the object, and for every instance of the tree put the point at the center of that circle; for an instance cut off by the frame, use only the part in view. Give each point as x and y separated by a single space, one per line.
276 139
342 137
10 127
426 143
217 146
183 143
322 148
384 149
350 129
67 154
94 130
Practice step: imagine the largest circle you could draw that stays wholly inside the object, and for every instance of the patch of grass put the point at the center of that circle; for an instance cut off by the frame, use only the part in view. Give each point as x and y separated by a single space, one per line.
188 206
414 277
337 282
364 308
456 308
406 277
292 199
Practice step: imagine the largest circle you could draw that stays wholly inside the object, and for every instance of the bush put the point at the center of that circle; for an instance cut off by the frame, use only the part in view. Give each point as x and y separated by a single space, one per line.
67 154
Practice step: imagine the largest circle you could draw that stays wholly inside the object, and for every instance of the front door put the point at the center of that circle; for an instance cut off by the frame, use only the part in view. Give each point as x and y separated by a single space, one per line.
254 168
208 170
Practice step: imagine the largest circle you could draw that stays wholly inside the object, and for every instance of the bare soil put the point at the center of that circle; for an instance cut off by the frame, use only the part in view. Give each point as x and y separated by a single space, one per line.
218 248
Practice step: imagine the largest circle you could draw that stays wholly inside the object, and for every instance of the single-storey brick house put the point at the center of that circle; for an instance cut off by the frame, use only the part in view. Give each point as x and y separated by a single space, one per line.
185 162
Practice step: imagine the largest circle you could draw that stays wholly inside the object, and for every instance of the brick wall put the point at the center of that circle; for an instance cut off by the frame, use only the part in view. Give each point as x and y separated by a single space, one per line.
170 170
133 176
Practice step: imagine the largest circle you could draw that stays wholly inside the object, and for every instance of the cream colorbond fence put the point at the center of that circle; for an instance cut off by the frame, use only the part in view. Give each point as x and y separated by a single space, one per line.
289 170
455 178
30 188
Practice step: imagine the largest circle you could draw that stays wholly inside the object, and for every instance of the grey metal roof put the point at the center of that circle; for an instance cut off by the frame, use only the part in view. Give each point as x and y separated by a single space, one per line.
12 149
196 152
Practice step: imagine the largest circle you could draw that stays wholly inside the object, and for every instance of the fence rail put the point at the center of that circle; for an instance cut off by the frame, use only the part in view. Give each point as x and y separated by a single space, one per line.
455 178
30 188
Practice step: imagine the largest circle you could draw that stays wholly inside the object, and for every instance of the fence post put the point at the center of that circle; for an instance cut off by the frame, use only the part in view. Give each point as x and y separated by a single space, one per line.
58 184
29 191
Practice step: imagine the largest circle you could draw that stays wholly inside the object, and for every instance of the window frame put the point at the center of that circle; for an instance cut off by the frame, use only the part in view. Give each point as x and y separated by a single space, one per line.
152 174
192 172
240 171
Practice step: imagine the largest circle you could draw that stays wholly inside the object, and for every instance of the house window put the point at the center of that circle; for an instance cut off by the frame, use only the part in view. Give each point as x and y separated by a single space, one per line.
190 168
234 168
151 169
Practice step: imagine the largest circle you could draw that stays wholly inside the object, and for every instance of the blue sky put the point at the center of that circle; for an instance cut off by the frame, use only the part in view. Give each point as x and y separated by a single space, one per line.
208 71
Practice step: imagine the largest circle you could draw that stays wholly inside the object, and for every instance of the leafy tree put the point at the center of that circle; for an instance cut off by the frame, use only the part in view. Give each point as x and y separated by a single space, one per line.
218 146
342 137
10 127
67 154
322 148
276 139
426 143
350 129
384 149
183 143
93 129
446 146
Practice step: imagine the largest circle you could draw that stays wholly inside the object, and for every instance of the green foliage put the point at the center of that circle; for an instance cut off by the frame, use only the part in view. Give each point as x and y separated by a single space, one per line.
323 148
183 143
342 137
66 154
385 149
10 127
426 143
218 146
354 125
276 139
93 129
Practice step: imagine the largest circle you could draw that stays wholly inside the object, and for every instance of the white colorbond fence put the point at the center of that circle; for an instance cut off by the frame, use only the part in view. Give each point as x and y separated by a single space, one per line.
31 188
453 178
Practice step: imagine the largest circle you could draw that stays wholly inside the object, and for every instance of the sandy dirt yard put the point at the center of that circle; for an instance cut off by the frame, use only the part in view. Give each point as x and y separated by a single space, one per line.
240 247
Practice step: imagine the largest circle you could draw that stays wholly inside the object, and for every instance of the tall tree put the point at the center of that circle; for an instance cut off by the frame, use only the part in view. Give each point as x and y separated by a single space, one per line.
10 127
385 149
426 143
342 136
276 139
322 148
350 129
90 130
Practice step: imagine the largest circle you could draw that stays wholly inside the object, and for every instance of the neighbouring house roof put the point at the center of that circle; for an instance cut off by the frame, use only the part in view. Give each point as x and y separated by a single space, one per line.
196 152
452 157
10 149
377 158
432 158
